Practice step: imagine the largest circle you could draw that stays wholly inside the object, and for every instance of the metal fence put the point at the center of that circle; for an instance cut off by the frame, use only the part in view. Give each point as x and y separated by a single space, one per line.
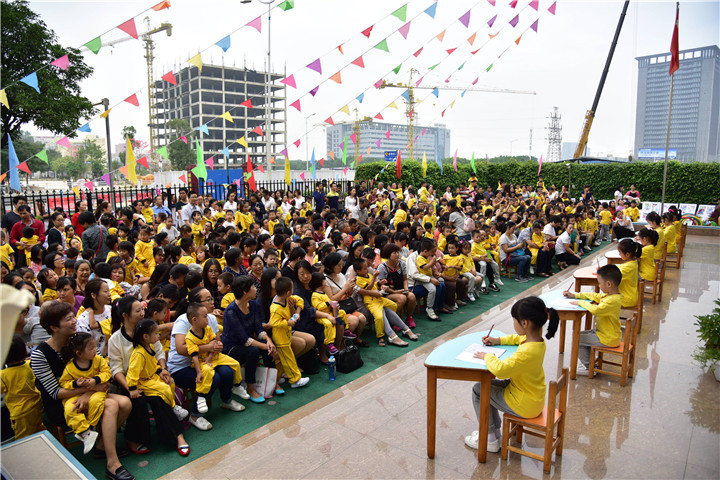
44 202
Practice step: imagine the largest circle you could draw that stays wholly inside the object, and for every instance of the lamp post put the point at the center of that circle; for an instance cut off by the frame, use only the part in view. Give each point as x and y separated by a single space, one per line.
307 155
106 103
511 144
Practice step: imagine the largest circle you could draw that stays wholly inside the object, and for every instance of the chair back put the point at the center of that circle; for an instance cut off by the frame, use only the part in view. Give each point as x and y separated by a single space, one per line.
630 331
556 401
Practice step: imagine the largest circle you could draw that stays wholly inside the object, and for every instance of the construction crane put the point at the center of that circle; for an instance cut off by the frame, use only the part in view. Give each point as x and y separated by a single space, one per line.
149 57
590 114
356 131
410 102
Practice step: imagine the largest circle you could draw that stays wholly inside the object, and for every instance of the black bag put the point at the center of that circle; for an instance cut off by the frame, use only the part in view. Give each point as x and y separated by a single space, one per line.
309 363
348 305
348 359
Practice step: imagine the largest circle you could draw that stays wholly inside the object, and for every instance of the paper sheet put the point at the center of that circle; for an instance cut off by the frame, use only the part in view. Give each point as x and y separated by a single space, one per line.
469 354
563 302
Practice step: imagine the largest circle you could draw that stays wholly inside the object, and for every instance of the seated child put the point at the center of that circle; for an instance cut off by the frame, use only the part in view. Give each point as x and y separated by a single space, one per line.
333 328
284 313
19 391
648 239
48 280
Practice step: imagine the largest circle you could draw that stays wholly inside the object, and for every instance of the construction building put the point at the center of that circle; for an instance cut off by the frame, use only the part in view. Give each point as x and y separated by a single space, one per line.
201 97
435 142
695 125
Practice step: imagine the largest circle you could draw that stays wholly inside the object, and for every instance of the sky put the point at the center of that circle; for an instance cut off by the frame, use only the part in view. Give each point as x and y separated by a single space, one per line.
561 63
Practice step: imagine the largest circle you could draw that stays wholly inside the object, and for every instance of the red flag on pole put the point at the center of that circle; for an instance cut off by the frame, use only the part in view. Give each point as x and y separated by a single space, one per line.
675 43
398 165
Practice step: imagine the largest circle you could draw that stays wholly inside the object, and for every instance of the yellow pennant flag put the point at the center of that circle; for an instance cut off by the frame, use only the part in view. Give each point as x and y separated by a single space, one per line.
346 110
76 190
3 99
106 113
452 104
227 117
287 171
424 165
243 142
197 61
130 163
392 105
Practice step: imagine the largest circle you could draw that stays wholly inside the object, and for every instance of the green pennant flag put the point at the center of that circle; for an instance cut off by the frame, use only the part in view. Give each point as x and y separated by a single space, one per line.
162 151
42 155
352 165
94 45
488 69
344 159
401 13
461 66
472 163
433 67
200 171
397 69
287 5
247 176
383 45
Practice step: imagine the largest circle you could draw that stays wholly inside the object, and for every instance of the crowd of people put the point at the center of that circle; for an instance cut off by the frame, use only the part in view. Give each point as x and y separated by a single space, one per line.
184 292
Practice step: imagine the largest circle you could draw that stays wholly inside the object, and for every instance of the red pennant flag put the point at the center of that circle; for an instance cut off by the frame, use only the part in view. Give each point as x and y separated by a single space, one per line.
513 3
418 52
24 167
184 139
359 62
132 99
143 161
379 116
330 121
258 130
129 28
675 43
251 180
261 168
398 165
296 104
336 78
475 51
296 143
451 50
161 6
170 78
367 31
322 162
183 179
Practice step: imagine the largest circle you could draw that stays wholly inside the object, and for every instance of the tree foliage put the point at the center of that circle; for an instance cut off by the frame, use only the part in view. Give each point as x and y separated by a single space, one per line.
93 155
181 154
28 45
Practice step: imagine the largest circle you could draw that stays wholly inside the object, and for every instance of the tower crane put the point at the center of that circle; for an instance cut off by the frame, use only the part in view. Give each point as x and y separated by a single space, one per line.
410 102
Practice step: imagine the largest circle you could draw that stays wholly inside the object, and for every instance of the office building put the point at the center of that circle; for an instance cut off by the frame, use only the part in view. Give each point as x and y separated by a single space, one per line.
201 97
695 126
368 131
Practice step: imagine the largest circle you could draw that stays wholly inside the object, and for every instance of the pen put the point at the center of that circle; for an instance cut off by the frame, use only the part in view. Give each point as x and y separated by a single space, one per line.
568 289
491 329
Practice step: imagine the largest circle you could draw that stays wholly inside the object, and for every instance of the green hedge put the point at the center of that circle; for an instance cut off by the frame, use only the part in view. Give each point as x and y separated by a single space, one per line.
687 182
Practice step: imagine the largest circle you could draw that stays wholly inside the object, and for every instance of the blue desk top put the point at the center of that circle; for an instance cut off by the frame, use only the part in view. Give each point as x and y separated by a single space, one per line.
550 297
444 355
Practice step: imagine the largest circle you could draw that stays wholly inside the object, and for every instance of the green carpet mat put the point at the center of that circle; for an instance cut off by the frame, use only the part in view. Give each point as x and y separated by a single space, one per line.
228 426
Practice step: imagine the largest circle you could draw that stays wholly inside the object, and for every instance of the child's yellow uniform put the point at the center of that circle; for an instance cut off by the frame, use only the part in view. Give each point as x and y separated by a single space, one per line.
110 255
605 217
442 242
144 252
490 249
271 226
112 231
647 263
629 285
49 294
398 193
144 374
423 194
376 304
243 221
100 371
431 219
130 271
148 215
17 384
526 393
400 216
607 315
321 301
116 291
467 265
477 250
455 262
421 262
538 240
160 227
659 247
227 299
411 202
186 260
670 237
6 252
282 336
633 213
208 370
591 225
32 241
198 233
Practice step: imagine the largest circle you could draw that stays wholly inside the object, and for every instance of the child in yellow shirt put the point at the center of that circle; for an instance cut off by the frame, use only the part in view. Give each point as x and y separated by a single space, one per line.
198 229
243 219
648 239
630 252
17 384
144 252
284 313
400 215
30 239
6 252
335 327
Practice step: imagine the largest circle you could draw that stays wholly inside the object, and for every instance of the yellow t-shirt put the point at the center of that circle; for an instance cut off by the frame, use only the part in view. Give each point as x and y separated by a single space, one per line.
431 219
98 368
628 286
661 239
607 315
186 260
400 216
442 242
116 291
670 238
468 263
148 215
453 261
398 193
198 233
411 202
227 299
144 252
130 271
6 252
423 194
605 217
30 243
271 226
647 263
279 316
477 250
591 225
422 261
194 342
49 294
17 384
243 221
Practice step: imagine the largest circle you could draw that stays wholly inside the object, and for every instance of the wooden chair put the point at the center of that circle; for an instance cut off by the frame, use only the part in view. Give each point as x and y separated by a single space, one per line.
657 283
638 309
507 269
62 436
626 350
549 425
674 259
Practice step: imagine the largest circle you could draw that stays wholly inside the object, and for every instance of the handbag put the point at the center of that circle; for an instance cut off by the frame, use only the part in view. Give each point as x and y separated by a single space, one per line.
348 305
348 359
309 363
469 225
265 381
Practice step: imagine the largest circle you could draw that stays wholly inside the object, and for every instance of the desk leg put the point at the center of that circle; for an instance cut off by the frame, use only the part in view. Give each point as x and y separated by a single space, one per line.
431 409
485 387
588 321
561 344
575 344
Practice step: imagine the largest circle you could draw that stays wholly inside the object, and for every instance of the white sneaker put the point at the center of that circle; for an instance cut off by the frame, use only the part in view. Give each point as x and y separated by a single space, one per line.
88 438
431 314
180 412
472 440
582 370
240 391
233 405
499 281
494 446
532 270
587 249
471 297
201 403
200 423
300 383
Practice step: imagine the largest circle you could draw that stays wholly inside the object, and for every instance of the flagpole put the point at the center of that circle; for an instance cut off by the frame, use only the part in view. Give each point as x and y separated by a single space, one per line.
667 143
674 66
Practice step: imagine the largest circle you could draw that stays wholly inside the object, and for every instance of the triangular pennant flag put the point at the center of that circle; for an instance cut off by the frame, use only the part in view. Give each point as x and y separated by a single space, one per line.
168 185
417 84
436 92
183 138
287 5
31 80
345 170
224 43
471 39
346 110
133 100
322 162
406 95
515 20
226 151
330 121
535 4
24 168
64 142
106 178
513 3
13 162
368 151
475 51
272 160
360 97
227 117
534 26
462 95
379 116
242 142
42 155
367 31
76 190
398 165
258 131
4 99
182 178
314 90
517 42
431 10
451 50
105 113
359 62
289 81
124 171
492 21
472 163
442 114
336 78
170 78
492 2
401 13
85 128
2 177
378 142
94 45
493 36
424 165
162 5
261 168
200 171
302 176
129 28
353 137
316 66
339 47
418 52
383 45
344 151
440 35
434 66
423 132
488 68
552 8
404 30
392 105
397 69
296 143
331 154
387 134
256 24
378 84
247 103
296 104
143 161
204 128
197 61
287 171
130 162
209 163
62 63
465 19
284 152
455 161
539 164
162 151
461 66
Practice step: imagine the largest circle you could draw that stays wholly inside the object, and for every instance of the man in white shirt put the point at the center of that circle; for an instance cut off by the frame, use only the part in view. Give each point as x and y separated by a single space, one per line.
549 230
268 201
187 210
381 188
360 213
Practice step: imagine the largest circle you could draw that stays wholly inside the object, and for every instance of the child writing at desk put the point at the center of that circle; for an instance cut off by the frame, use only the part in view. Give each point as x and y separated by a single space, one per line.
519 388
606 308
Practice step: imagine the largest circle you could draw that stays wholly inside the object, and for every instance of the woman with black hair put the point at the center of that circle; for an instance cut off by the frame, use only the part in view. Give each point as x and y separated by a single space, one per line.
288 270
211 272
55 262
354 253
233 257
307 323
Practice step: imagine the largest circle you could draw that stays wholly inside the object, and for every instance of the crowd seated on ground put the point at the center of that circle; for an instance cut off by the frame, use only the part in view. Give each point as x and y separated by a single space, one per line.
183 292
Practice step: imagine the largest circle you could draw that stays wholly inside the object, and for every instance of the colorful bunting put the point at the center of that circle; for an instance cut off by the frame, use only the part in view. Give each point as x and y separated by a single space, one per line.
359 62
23 167
431 10
76 190
4 99
418 52
316 66
339 47
378 84
397 69
440 36
209 163
243 142
517 42
404 30
224 43
143 161
471 39
94 45
367 31
337 78
353 137
401 13
258 131
492 2
406 95
534 26
256 24
62 63
105 113
247 104
436 92
393 105
199 170
387 134
451 50
539 164
322 162
31 80
383 45
183 138
344 151
314 90
42 155
346 110
162 151
162 5
287 5
488 68
13 162
197 61
331 154
227 117
360 97
379 117
182 178
492 21
204 129
129 28
226 151
465 19
133 100
417 84
515 20
455 161
296 104
345 170
369 149
378 142
289 81
64 142
170 78
330 121
85 128
398 164
262 169
284 152
296 143
272 160
302 176
552 8
535 4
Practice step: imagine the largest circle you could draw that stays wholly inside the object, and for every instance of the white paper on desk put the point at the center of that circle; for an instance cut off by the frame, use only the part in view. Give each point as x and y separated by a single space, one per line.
469 354
563 302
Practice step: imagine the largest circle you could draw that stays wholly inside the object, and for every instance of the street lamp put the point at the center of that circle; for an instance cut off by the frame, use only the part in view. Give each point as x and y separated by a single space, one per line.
511 143
307 157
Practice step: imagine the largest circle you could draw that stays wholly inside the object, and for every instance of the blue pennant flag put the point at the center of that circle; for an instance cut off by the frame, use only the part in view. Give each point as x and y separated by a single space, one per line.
226 151
224 43
312 160
204 129
360 97
85 128
31 80
406 94
431 10
436 92
13 163
463 93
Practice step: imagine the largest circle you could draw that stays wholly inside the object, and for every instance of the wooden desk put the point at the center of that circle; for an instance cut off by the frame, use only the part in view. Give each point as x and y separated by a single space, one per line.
442 363
613 257
567 313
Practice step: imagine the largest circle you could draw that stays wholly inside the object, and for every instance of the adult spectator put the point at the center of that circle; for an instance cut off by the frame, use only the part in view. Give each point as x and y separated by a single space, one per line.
587 195
623 226
632 194
158 207
564 252
511 253
618 195
231 202
268 201
75 219
26 220
93 238
187 211
351 200
12 217
360 212
56 234
319 197
457 220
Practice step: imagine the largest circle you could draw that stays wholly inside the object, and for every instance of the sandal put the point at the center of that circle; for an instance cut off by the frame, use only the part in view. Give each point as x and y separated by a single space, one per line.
409 334
140 450
395 340
381 342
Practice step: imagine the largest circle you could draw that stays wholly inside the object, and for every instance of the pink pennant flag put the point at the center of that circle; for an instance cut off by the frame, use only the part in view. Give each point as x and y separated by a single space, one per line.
345 171
423 132
129 28
535 4
443 113
143 161
418 52
106 178
353 137
455 161
170 78
284 152
539 164
360 158
290 81
552 8
89 185
513 3
534 26
451 50
404 30
342 145
359 62
387 134
330 121
184 139
367 31
237 182
209 163
492 2
256 24
64 142
314 90
316 66
379 116
378 84
63 62
492 21
296 104
133 100
378 142
465 19
417 84
296 143
475 81
515 20
261 168
302 176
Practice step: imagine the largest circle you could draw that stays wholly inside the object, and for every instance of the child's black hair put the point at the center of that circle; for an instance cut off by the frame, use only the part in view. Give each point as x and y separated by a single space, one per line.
17 352
650 234
316 280
77 342
534 310
144 327
611 273
155 305
193 310
629 246
283 285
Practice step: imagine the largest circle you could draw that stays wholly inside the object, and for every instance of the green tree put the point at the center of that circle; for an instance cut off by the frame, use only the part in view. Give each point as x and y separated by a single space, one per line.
181 154
27 46
129 131
69 167
93 154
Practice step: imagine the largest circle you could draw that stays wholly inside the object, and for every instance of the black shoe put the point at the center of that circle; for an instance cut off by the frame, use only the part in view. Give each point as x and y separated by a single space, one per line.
494 288
120 474
120 451
484 291
362 343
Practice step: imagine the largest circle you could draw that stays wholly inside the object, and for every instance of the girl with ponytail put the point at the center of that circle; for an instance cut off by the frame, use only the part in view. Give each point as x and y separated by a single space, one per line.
630 252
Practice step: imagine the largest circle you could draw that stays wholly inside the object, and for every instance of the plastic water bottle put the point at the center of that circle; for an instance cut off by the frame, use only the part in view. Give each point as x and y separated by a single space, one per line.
331 367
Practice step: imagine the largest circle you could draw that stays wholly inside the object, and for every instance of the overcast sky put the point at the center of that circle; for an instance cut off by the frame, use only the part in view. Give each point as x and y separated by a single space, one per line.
562 63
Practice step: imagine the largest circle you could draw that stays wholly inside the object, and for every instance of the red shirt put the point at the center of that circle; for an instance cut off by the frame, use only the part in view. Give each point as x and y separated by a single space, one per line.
78 228
16 232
